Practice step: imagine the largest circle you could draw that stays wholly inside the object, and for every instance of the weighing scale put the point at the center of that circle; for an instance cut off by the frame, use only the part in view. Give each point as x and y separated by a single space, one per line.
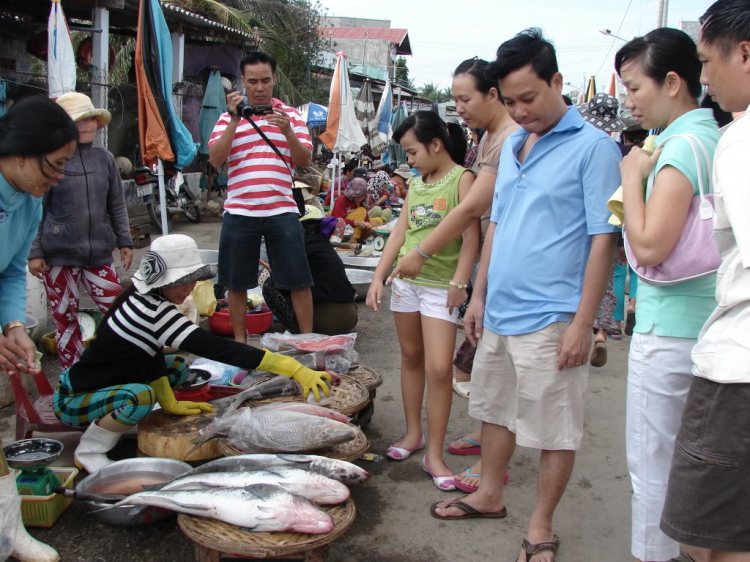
32 457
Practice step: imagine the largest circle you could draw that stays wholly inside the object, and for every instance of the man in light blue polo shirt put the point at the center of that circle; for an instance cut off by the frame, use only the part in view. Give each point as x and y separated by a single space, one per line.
545 265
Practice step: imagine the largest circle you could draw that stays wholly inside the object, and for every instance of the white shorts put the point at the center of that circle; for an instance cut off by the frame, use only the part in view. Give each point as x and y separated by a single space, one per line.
407 297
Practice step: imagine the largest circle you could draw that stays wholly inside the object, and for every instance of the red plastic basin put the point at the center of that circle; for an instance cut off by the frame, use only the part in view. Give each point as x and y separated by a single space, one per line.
257 323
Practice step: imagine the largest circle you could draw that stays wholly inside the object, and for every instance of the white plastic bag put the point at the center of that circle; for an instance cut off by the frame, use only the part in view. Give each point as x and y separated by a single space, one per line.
10 513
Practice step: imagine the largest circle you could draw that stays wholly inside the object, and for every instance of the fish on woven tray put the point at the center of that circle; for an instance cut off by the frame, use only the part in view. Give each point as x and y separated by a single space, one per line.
222 423
261 508
280 431
317 488
341 471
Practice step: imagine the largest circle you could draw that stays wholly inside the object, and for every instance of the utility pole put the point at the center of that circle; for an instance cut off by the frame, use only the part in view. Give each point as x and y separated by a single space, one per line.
661 16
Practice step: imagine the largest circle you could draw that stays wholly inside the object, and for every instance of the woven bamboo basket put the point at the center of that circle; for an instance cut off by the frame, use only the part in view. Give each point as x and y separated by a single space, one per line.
227 538
349 451
348 398
371 379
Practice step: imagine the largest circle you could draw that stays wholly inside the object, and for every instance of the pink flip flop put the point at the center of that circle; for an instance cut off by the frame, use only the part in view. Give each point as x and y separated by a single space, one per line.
471 489
475 450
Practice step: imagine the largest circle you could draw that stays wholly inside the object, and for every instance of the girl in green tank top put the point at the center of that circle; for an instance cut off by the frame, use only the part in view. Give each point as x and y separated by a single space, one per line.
425 309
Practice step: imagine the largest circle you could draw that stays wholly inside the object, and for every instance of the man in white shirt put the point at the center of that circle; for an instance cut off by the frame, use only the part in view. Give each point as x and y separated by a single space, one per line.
708 499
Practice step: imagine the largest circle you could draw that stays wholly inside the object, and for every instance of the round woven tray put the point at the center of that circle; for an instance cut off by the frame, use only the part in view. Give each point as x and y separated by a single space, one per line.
227 538
371 379
348 398
349 451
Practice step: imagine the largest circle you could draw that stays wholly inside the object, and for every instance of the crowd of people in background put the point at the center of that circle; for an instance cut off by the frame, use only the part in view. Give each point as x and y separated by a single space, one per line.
542 227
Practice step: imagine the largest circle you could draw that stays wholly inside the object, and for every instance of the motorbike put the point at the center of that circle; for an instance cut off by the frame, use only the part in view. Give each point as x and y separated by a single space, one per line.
179 198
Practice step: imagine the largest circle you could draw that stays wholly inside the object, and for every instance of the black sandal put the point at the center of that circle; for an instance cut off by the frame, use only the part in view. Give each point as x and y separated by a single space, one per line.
630 324
469 512
532 549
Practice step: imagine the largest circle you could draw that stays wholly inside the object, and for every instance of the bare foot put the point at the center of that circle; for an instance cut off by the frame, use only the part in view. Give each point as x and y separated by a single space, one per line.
471 480
409 441
461 444
482 503
538 535
438 466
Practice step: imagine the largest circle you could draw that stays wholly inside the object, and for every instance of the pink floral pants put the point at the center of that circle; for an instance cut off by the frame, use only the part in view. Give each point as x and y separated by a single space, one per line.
61 283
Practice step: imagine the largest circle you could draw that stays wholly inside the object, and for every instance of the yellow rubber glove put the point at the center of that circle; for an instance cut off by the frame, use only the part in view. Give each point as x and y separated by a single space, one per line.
169 403
288 367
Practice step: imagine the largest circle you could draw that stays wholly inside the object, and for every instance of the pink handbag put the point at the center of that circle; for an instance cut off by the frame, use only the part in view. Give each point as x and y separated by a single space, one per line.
695 254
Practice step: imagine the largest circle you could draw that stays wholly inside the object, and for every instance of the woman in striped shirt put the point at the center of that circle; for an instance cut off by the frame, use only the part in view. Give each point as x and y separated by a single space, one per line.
124 372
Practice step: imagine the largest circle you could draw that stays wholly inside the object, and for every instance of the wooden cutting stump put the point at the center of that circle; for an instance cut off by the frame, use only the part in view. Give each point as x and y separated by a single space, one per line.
168 436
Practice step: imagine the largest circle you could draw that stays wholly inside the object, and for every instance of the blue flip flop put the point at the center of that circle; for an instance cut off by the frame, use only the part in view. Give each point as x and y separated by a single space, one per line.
475 450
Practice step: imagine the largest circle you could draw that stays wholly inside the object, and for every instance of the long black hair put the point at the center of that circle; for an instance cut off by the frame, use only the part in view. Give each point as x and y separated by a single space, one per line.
34 127
662 51
117 304
428 126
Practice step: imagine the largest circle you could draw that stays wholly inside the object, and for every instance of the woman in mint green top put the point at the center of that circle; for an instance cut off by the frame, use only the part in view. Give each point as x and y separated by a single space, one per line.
425 309
661 74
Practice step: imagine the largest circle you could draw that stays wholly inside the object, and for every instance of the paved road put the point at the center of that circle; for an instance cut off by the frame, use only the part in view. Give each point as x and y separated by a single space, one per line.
393 522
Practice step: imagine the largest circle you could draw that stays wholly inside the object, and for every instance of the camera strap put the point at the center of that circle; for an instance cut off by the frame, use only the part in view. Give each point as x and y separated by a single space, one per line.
296 193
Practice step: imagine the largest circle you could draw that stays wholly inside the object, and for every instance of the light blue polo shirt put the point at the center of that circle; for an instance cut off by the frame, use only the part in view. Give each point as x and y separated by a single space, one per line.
546 211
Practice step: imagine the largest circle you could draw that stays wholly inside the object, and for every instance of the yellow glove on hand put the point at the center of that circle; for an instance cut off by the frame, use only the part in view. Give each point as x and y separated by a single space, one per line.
169 403
288 367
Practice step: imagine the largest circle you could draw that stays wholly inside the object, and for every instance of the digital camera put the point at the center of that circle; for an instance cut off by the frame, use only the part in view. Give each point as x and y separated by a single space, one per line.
247 111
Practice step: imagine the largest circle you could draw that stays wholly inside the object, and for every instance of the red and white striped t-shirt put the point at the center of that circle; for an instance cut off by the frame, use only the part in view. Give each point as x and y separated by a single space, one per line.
259 181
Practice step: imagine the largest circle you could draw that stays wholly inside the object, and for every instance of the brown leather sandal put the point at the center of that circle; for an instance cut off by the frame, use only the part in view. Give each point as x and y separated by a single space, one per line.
532 549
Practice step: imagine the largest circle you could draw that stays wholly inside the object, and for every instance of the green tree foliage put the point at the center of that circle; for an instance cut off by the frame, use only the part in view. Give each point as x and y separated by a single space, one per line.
432 92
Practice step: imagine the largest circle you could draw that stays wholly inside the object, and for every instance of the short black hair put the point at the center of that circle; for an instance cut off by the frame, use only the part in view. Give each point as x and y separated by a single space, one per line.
726 23
476 68
257 57
662 51
527 48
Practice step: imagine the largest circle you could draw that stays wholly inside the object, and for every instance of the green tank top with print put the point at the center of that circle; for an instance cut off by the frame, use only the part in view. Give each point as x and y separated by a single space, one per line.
429 203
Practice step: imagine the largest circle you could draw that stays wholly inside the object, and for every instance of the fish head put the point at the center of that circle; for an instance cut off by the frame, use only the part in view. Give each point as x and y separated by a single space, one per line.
343 471
327 490
306 517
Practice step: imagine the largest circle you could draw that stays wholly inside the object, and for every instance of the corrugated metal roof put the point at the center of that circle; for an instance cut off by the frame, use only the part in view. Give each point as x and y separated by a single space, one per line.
205 21
398 37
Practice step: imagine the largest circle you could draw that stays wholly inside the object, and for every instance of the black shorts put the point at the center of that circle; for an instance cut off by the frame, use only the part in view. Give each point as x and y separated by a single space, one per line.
708 496
239 251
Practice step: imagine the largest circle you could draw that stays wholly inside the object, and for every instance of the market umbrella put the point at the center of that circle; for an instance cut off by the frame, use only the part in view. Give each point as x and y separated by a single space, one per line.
591 90
396 153
383 120
314 115
342 133
61 62
214 104
612 90
364 110
163 137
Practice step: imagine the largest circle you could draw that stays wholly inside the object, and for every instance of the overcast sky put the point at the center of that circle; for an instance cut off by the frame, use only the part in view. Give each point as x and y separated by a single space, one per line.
444 33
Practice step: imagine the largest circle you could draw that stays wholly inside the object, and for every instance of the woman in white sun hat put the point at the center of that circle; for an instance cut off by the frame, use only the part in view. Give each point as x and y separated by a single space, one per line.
85 219
124 372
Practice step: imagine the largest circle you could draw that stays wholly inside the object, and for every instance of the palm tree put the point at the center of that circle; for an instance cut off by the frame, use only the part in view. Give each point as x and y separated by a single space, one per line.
434 93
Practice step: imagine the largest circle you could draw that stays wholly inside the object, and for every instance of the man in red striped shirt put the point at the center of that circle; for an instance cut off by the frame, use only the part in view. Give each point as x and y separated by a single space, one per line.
259 200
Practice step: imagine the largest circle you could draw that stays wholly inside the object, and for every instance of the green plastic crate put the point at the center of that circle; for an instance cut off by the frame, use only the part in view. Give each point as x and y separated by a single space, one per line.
43 511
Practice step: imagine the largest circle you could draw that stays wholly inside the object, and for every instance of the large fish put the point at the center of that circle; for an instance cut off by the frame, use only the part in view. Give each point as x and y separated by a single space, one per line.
261 507
304 408
315 487
281 431
335 469
260 430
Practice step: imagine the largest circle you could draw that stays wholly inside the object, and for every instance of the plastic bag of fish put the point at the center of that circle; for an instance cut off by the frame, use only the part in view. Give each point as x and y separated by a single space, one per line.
286 431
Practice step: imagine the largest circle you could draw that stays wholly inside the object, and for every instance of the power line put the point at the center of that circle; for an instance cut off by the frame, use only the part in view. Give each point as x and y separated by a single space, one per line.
614 39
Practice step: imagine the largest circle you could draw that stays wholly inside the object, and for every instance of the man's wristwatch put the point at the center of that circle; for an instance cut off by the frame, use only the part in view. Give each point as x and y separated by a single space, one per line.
13 324
459 286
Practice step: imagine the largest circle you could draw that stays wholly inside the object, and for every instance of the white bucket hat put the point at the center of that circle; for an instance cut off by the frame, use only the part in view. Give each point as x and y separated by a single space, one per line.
172 260
80 107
